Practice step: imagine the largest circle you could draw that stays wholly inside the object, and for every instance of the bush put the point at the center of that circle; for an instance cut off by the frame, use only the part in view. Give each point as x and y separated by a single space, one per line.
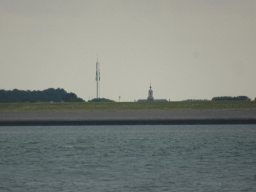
226 98
100 100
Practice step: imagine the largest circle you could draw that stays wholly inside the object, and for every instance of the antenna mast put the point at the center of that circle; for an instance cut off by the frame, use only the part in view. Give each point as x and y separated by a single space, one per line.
97 77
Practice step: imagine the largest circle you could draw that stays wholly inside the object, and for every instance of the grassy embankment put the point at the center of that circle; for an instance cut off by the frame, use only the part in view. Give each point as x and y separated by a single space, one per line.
128 106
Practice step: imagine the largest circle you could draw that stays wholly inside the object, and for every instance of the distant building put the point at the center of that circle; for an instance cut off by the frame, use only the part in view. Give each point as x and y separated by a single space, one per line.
150 94
150 97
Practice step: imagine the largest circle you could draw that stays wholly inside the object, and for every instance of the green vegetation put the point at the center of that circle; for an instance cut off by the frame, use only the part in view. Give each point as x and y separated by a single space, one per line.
227 98
47 95
127 106
101 100
71 97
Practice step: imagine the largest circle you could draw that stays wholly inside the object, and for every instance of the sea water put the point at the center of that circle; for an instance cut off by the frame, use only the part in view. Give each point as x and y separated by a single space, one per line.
128 158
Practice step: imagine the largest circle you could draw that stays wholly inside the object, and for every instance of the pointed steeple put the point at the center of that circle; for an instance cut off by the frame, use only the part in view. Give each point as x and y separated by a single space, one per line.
150 93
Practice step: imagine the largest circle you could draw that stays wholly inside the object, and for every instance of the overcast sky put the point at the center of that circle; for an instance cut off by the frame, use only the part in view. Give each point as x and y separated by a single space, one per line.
188 49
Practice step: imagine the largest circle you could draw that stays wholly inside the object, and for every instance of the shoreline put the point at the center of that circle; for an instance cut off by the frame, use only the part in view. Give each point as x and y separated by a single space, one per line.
129 118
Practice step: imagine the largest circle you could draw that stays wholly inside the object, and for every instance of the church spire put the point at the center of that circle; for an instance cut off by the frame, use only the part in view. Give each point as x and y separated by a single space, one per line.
150 93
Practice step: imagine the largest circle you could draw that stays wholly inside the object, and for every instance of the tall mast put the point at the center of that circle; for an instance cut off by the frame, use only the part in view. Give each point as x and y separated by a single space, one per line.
97 77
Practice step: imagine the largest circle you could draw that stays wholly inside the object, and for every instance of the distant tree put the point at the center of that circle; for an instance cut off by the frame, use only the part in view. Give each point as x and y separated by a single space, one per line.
33 101
51 94
34 95
72 97
242 98
76 100
42 96
3 96
228 98
11 97
61 92
18 95
68 96
101 100
196 100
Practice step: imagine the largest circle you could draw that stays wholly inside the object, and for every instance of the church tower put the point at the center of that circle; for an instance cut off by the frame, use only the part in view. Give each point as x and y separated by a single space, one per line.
150 94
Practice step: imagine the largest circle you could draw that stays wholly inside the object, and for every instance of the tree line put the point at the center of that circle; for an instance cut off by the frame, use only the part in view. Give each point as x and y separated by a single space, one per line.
227 98
101 100
224 98
47 95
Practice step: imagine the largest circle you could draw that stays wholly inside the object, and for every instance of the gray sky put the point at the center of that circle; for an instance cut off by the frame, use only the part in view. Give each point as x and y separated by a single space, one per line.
188 49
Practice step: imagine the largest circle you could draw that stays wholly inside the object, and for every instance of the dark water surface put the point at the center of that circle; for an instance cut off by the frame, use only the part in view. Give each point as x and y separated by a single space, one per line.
128 158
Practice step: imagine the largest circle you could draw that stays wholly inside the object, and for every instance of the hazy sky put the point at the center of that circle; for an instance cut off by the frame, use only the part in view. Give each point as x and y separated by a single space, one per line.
188 49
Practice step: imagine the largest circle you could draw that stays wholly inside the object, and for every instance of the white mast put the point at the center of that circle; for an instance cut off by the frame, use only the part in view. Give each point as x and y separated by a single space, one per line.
97 78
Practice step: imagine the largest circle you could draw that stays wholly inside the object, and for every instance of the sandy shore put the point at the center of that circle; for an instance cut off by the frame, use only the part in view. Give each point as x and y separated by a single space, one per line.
129 117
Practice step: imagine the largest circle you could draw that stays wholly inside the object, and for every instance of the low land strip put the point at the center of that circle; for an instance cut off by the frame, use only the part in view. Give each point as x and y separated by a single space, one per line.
127 106
129 117
146 113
